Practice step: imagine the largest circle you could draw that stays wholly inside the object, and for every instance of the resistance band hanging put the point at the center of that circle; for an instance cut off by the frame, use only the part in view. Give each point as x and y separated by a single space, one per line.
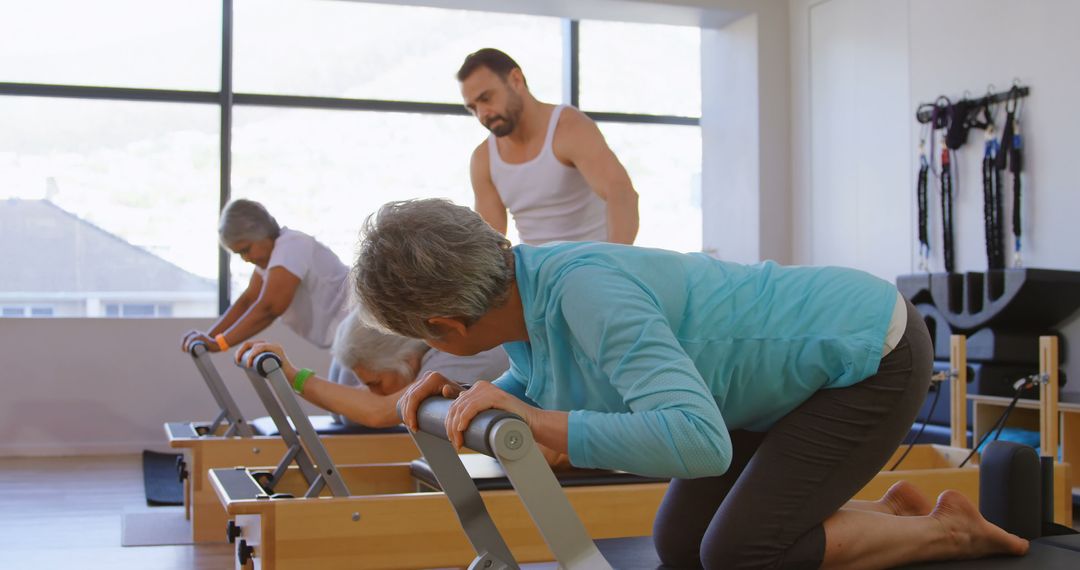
954 133
995 253
1016 166
955 120
947 211
1016 163
1010 155
924 205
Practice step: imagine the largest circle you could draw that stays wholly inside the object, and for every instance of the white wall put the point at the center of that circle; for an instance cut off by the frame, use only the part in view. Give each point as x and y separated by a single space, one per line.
860 68
74 386
1035 42
746 137
857 214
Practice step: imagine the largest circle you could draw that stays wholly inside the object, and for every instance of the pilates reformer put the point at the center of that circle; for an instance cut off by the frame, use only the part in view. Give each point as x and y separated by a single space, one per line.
935 468
312 512
382 490
230 440
507 438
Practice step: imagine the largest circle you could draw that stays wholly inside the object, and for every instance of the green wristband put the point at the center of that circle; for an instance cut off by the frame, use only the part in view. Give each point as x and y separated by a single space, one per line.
300 379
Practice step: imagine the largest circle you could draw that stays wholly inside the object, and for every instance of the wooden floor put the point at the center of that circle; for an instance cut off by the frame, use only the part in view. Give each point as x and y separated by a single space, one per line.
65 513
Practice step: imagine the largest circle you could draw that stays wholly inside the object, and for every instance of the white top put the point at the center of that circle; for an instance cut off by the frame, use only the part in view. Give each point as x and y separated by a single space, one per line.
548 200
321 301
897 325
487 365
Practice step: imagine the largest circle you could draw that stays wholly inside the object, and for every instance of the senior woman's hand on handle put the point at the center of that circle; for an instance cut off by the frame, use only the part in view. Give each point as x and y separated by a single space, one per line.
482 396
432 384
191 336
258 347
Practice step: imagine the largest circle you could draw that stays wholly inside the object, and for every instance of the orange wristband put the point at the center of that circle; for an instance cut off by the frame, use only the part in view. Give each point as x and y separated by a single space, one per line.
221 342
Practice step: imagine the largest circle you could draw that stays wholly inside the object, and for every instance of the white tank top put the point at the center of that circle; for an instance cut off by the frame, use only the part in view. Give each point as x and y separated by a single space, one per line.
548 200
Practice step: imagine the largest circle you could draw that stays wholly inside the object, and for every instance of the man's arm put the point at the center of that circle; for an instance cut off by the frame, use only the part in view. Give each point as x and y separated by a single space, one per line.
487 201
579 143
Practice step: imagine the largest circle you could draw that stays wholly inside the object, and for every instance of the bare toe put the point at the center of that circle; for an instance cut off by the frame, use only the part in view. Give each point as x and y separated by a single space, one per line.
971 534
905 499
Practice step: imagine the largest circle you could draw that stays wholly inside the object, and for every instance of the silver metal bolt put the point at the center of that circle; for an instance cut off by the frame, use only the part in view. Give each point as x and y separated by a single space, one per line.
255 450
514 440
355 517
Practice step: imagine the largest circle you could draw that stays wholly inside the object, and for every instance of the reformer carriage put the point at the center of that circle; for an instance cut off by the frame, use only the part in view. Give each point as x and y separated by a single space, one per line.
230 440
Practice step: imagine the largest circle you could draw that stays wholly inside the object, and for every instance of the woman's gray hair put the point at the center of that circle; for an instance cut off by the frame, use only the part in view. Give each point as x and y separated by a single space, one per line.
420 259
246 220
360 340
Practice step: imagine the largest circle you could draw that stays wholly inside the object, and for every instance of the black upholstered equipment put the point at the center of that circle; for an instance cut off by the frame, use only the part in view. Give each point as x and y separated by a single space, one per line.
489 475
1010 484
324 425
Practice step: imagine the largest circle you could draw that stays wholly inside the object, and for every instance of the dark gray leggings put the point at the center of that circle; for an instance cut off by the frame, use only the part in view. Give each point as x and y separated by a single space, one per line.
767 510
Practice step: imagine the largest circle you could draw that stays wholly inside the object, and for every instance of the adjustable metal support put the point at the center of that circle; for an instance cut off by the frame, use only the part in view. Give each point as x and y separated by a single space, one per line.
229 411
507 438
958 390
303 445
1048 420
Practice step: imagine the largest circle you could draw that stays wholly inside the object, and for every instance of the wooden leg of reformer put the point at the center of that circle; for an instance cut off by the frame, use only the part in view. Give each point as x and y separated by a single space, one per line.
958 392
187 483
1048 396
1050 428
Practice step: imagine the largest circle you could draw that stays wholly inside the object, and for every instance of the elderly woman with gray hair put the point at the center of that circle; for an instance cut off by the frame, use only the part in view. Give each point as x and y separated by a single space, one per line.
296 278
770 395
385 364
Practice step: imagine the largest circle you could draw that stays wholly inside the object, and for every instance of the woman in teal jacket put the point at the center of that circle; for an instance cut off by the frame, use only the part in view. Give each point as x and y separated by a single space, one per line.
769 394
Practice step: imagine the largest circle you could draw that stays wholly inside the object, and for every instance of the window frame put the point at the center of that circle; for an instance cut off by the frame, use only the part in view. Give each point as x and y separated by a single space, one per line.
226 99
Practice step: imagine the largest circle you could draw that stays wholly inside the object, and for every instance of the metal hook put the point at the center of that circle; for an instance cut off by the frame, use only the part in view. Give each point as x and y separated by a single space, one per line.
1013 100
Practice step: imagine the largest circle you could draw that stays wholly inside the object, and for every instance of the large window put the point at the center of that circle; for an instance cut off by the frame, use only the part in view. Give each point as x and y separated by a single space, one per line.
322 172
654 70
105 202
664 163
378 51
114 162
163 44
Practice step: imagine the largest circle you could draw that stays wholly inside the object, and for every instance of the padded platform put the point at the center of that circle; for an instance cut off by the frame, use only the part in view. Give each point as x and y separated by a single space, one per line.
489 475
1045 554
634 553
324 425
638 553
1068 542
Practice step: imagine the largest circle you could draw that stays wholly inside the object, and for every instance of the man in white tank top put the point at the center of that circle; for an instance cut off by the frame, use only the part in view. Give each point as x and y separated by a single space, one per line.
549 165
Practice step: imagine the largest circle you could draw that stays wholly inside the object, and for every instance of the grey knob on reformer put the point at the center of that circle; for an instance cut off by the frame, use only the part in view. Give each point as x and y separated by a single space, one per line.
264 363
198 347
431 417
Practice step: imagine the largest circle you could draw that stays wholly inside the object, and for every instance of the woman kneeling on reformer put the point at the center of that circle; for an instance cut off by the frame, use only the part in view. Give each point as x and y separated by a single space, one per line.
771 395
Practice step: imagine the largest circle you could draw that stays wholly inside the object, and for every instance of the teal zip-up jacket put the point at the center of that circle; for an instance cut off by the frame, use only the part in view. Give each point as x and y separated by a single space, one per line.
656 354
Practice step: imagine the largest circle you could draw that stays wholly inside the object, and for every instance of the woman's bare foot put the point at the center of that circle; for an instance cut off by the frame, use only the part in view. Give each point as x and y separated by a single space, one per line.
905 500
971 534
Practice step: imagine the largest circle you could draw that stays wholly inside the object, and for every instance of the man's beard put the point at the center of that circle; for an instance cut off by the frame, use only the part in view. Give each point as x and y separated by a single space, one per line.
506 122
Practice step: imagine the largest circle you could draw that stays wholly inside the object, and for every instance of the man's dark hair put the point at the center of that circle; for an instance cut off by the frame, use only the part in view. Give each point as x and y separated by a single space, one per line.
498 62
